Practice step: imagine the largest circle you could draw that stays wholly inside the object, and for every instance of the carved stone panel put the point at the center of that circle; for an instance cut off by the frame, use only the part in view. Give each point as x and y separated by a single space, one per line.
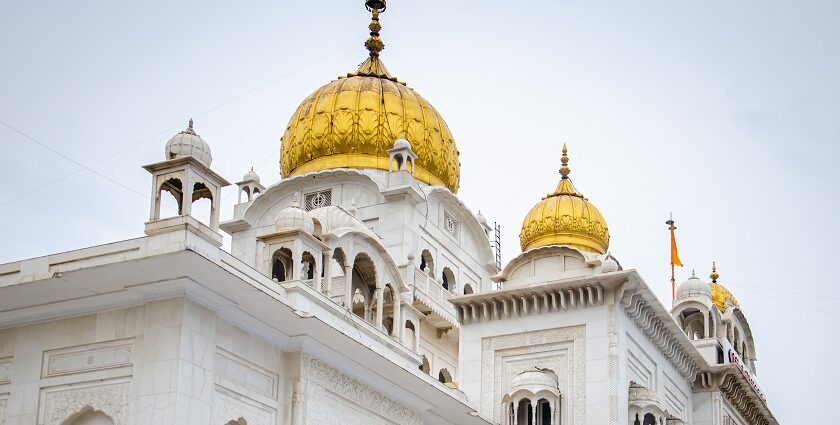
61 403
563 350
5 370
4 401
229 406
104 355
332 398
233 369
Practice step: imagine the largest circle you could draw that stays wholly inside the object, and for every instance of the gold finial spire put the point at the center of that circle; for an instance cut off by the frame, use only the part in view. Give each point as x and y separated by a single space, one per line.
374 44
564 170
714 274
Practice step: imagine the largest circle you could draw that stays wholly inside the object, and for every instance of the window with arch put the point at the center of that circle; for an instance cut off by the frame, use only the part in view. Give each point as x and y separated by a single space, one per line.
202 203
427 263
425 366
448 279
468 289
410 333
649 419
171 198
444 376
308 265
281 263
363 283
89 416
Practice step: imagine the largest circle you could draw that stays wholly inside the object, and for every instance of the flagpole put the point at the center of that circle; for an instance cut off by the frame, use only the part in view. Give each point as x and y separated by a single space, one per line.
671 227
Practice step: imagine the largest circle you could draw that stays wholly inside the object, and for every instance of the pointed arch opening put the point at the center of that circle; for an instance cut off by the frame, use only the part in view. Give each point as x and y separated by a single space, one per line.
170 199
281 265
202 203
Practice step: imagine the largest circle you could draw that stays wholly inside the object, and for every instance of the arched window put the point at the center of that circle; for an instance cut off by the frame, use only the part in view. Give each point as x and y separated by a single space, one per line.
525 415
171 198
468 289
307 271
444 376
426 367
364 283
410 333
448 279
637 421
202 200
649 419
427 264
693 323
88 416
281 263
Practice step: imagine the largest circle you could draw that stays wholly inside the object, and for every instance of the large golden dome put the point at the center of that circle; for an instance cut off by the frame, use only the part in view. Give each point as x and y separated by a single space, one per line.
353 121
565 217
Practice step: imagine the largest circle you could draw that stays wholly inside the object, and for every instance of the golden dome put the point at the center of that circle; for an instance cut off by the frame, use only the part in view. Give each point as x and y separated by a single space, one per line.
720 295
565 217
353 121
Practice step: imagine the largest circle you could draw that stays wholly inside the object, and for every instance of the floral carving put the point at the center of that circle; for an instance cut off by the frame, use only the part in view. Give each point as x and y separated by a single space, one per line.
110 399
229 408
327 386
563 349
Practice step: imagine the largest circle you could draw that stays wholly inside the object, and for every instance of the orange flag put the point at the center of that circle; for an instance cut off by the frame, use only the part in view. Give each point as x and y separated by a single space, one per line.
675 257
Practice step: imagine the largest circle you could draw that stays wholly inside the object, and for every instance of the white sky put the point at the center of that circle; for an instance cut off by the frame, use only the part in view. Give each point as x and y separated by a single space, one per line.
723 112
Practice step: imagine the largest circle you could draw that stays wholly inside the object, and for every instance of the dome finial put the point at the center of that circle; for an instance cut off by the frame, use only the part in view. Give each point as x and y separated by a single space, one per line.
714 274
189 129
374 44
564 170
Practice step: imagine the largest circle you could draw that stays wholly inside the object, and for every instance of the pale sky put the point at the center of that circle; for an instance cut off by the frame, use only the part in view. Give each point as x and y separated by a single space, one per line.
724 113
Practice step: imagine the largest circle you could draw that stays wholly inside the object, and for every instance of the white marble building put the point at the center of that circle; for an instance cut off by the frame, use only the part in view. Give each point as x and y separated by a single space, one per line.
358 289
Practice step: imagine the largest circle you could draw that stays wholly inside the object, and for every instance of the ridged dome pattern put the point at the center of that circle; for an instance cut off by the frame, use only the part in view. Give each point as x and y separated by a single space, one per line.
189 143
565 217
353 121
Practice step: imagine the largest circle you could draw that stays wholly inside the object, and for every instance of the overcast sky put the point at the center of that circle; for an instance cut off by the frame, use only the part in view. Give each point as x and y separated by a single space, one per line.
725 113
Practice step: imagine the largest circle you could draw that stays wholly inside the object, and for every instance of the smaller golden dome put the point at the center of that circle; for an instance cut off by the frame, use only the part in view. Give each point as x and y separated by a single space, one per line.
720 295
565 217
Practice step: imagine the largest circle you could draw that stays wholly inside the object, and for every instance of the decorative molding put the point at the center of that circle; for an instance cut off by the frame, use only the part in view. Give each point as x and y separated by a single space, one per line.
562 350
639 311
326 385
612 372
230 406
520 302
740 399
6 367
231 368
60 403
83 358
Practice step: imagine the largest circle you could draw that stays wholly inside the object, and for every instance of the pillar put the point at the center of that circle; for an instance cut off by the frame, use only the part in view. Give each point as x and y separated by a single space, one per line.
348 287
327 285
316 274
533 413
380 299
398 322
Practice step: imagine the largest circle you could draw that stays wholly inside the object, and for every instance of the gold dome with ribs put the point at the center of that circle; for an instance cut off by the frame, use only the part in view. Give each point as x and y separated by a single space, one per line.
353 121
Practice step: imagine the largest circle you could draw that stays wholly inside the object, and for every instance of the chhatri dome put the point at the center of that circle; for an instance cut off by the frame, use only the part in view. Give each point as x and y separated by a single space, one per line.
565 217
189 143
721 296
353 121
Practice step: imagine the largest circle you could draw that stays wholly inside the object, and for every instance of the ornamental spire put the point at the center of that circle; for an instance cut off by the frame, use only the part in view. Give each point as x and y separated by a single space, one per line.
714 274
374 44
565 187
564 170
